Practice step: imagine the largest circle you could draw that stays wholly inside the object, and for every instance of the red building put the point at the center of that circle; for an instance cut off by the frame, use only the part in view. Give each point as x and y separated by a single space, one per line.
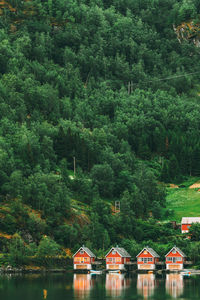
147 259
175 259
117 258
186 222
83 259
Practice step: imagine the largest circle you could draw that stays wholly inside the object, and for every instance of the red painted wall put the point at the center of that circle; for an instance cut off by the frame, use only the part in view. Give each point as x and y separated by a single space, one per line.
185 226
148 255
83 255
177 254
114 256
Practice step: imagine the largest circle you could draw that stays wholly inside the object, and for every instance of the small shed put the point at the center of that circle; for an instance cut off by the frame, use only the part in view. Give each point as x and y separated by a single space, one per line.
117 258
175 259
147 259
186 223
83 259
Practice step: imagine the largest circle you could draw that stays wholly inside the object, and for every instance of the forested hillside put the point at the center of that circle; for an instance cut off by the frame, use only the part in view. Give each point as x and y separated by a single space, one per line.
107 89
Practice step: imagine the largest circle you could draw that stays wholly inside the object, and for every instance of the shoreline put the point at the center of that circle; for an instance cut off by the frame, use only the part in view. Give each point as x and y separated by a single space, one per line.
33 271
58 270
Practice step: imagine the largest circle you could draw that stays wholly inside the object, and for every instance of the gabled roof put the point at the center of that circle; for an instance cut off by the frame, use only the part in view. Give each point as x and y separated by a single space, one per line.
190 220
121 251
178 250
150 250
87 250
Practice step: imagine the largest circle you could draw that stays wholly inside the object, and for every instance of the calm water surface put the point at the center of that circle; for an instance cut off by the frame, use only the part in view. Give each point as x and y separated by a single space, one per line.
109 286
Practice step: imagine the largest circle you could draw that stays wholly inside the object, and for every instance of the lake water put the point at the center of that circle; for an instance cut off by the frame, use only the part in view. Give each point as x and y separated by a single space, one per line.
96 287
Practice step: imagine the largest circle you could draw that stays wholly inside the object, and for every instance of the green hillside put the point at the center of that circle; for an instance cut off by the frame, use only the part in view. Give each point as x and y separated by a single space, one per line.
99 101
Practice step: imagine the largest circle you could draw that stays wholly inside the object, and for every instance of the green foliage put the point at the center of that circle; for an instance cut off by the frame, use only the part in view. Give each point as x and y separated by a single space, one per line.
17 251
48 247
195 232
101 89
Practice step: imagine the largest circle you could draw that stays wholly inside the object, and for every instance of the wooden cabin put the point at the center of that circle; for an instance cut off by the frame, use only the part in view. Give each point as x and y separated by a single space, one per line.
175 259
186 223
147 259
83 259
117 258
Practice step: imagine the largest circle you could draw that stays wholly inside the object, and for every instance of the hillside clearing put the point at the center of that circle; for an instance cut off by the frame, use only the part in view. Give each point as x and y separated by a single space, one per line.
184 202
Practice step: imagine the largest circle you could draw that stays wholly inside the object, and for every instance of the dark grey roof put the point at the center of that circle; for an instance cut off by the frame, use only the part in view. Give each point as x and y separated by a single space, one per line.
121 251
87 250
178 250
151 251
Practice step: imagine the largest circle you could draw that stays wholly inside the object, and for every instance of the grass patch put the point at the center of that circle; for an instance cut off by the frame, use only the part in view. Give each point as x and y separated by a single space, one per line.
184 202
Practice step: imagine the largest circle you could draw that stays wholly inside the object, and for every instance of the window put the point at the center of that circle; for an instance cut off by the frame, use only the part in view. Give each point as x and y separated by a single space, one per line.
81 252
118 259
140 259
78 260
145 259
150 259
174 259
169 258
113 252
174 251
86 259
179 258
109 259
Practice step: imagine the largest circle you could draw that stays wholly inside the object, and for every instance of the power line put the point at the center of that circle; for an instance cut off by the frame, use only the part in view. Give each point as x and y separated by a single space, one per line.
131 84
175 76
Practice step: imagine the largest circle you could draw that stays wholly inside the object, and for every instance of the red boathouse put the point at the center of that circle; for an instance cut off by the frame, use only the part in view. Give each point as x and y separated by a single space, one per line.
117 258
83 259
175 259
147 259
186 223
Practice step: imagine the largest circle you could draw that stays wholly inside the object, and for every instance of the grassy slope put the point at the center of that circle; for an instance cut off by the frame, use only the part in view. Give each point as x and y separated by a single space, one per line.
184 201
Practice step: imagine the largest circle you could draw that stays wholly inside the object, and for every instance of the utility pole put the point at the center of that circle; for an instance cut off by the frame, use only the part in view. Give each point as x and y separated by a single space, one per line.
74 166
130 87
117 206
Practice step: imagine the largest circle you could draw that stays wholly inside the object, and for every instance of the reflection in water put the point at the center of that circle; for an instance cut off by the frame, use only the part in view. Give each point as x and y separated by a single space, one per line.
82 285
174 285
146 285
115 284
45 294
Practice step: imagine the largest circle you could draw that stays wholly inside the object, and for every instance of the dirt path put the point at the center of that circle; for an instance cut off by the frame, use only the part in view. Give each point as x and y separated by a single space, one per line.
173 186
195 185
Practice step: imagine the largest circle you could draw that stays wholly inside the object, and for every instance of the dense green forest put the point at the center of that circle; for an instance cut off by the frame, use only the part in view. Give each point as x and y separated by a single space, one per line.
105 89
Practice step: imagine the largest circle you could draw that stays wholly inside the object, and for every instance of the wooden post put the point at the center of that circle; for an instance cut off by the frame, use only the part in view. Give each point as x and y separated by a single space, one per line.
74 166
